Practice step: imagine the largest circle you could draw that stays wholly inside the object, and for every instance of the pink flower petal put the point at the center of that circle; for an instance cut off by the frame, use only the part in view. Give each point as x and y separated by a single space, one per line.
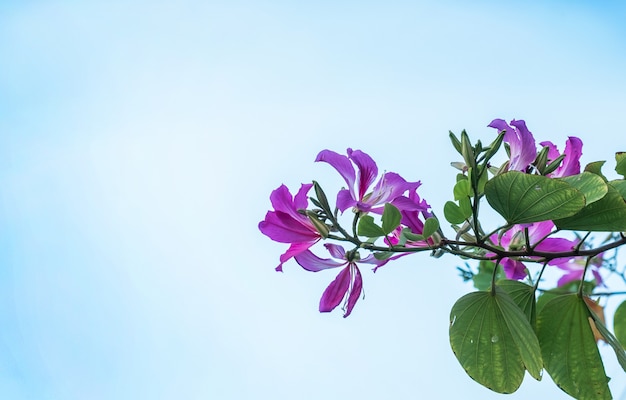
514 269
281 227
355 291
336 250
341 163
336 291
367 170
527 150
571 162
313 263
294 250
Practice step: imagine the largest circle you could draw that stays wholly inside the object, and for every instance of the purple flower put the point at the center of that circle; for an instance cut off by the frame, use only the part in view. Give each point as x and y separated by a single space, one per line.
524 150
514 239
286 225
389 188
414 212
348 284
521 143
571 162
574 268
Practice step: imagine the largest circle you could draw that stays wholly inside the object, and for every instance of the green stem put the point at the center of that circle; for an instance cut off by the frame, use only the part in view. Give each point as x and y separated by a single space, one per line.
357 215
580 244
582 280
543 268
493 277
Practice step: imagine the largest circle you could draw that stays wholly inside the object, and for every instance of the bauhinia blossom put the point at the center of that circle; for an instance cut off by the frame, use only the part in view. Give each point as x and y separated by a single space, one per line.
348 284
575 267
287 225
389 188
413 217
524 149
571 162
515 239
521 143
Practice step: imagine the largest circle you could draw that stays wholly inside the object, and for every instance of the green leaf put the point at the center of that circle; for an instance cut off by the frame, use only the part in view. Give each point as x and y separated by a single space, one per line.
596 168
620 168
608 337
453 213
524 296
570 353
592 186
430 226
620 186
523 198
406 234
465 206
367 227
568 288
391 218
605 215
619 323
543 299
383 255
462 189
493 341
482 279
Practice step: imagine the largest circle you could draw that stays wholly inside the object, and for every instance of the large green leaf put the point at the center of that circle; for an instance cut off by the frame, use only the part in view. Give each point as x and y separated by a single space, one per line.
592 186
569 349
605 215
493 340
524 296
524 198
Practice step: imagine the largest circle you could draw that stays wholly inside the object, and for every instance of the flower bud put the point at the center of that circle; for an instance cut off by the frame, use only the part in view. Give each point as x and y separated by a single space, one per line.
321 227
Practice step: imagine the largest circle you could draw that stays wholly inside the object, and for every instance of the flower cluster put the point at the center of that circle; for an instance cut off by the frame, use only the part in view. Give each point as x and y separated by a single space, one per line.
523 157
523 149
287 225
366 192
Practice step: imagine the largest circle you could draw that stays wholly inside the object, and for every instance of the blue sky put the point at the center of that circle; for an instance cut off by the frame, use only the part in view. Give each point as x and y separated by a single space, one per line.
139 142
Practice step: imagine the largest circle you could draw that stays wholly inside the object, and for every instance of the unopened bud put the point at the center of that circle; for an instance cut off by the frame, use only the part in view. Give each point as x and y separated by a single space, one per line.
321 227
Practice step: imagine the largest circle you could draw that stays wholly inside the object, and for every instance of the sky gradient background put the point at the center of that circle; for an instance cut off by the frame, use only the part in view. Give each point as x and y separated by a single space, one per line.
139 143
